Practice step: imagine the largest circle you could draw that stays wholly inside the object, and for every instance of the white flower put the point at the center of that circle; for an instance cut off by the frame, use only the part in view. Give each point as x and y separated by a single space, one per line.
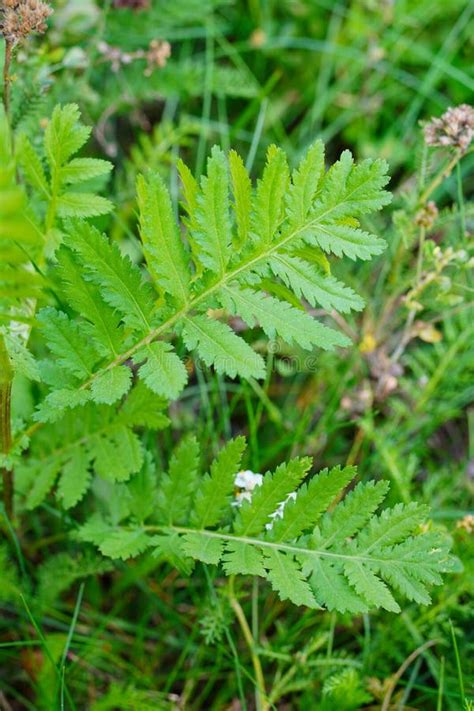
246 480
279 512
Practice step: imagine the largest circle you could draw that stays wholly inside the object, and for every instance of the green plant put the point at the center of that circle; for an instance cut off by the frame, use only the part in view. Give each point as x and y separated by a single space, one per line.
115 320
127 364
342 559
278 229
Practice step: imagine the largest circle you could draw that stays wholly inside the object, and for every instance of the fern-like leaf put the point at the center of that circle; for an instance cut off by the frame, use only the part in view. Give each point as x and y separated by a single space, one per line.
345 559
236 237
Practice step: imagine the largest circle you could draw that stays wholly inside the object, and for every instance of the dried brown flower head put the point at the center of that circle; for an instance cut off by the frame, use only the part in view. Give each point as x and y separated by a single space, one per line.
158 53
454 128
20 18
466 523
427 215
133 4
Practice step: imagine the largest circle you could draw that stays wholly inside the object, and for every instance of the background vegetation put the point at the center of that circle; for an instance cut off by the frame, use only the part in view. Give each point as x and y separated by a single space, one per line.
78 631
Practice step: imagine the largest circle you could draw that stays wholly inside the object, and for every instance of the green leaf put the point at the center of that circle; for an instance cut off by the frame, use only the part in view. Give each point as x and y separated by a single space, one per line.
304 184
111 385
312 501
351 515
71 204
163 247
242 559
178 487
170 548
269 197
203 548
85 297
80 170
242 192
142 490
53 407
392 525
190 188
19 237
307 281
117 454
213 231
213 496
64 134
94 530
65 340
346 240
43 481
332 589
219 346
75 478
143 408
119 281
369 586
124 544
350 564
278 318
32 166
163 371
287 579
21 358
255 514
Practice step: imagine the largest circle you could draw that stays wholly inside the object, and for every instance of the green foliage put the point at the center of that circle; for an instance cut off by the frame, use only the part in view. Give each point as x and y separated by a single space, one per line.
277 229
116 328
20 242
10 587
345 557
344 690
89 439
61 571
64 136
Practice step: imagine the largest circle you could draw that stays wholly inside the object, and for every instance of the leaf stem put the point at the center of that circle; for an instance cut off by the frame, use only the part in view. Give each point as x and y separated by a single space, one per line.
6 380
260 693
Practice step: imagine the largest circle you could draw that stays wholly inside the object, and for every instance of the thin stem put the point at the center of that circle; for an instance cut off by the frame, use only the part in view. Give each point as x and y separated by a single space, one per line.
421 245
438 179
6 75
398 675
6 379
260 696
406 333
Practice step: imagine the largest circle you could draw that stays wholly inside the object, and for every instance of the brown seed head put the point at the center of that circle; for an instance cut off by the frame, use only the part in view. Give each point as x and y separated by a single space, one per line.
20 18
427 215
133 4
157 55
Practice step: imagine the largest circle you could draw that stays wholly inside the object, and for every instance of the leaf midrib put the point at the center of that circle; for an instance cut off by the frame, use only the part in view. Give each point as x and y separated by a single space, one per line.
295 550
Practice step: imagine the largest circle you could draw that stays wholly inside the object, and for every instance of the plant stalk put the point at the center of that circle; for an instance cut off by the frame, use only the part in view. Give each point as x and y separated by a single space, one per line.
261 696
6 380
6 75
442 175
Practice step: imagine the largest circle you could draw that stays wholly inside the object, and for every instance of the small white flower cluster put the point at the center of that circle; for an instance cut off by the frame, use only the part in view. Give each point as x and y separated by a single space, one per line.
281 507
246 481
